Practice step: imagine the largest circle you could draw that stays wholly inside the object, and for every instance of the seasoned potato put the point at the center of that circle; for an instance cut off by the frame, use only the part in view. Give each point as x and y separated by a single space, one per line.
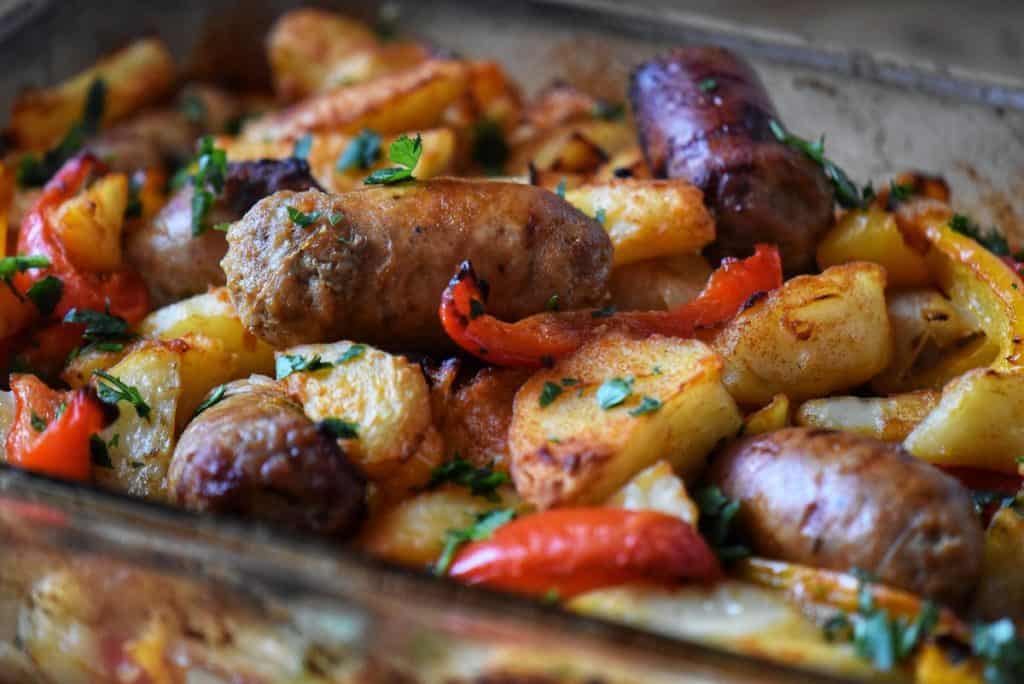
90 224
213 316
387 397
872 235
410 100
937 666
1001 588
646 219
932 343
658 284
78 371
574 148
572 451
886 418
813 336
629 163
135 76
657 488
770 418
976 423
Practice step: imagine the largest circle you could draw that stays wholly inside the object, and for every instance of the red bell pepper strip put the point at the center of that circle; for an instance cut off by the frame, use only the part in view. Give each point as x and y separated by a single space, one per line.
538 340
124 290
575 550
61 449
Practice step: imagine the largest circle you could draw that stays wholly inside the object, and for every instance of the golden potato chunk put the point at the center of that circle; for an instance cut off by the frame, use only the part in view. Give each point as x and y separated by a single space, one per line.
872 235
90 224
658 284
646 219
886 418
657 488
770 418
582 429
813 336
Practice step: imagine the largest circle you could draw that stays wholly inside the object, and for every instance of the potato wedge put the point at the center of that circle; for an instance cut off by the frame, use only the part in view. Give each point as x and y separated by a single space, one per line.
813 336
387 397
629 163
90 224
136 76
1001 588
647 219
657 488
658 284
574 148
872 235
573 452
976 423
887 418
770 418
410 100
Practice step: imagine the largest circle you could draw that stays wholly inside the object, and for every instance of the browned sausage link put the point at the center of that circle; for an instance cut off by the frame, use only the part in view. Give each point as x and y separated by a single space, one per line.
838 500
703 116
174 262
373 264
255 453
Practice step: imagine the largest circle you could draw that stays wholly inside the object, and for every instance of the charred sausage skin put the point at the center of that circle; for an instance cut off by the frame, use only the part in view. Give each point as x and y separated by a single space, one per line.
373 264
838 500
704 116
256 454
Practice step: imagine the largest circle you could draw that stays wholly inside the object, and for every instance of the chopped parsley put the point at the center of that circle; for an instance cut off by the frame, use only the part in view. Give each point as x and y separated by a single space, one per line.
609 111
847 194
339 429
656 370
352 353
208 182
483 528
302 220
600 215
103 330
707 85
490 150
99 453
336 218
613 392
133 207
19 264
1001 651
717 512
992 240
362 153
194 109
46 293
34 171
479 481
898 192
552 303
215 397
647 405
560 188
406 153
61 408
292 363
549 393
37 421
302 147
112 390
603 312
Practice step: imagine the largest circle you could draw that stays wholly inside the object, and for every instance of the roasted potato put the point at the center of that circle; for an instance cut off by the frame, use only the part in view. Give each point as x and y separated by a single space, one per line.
574 148
774 416
887 418
1001 588
872 235
647 219
658 284
135 76
813 336
569 450
657 488
90 224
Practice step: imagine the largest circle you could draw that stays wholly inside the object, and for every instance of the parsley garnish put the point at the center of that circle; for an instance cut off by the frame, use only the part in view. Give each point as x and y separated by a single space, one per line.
112 390
99 453
604 312
303 220
193 107
552 303
480 481
292 363
716 515
707 85
215 397
352 353
898 192
992 240
1002 651
549 393
19 264
846 192
103 331
336 218
61 408
647 405
403 151
303 146
609 111
339 429
362 153
490 150
33 171
600 215
133 207
483 528
207 181
37 421
46 293
560 188
613 392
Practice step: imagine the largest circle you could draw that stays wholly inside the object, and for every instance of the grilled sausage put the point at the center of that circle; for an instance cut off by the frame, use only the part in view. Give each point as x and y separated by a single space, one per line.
838 500
703 116
373 264
176 264
255 453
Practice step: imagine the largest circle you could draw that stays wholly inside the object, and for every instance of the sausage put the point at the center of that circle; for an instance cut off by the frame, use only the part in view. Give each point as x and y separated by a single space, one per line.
376 273
703 115
256 454
838 500
176 264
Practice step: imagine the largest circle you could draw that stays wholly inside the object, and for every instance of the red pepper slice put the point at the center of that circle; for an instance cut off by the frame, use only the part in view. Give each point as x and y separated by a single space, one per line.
537 341
61 449
575 550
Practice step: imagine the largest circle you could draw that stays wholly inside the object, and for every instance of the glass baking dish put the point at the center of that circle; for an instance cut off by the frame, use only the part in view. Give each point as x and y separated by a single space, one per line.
284 608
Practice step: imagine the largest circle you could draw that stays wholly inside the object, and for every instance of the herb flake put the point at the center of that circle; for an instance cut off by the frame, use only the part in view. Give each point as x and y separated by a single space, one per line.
647 405
549 393
301 219
46 293
847 194
479 481
613 392
287 364
483 528
406 153
112 390
339 428
362 153
218 395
